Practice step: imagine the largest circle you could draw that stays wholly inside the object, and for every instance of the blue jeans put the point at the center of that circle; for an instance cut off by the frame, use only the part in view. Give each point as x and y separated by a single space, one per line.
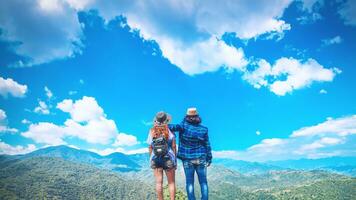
198 166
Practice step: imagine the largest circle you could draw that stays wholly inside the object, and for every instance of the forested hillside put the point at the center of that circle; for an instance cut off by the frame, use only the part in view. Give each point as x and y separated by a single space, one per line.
55 178
66 173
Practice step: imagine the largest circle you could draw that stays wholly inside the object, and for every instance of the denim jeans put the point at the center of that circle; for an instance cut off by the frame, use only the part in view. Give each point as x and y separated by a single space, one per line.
198 166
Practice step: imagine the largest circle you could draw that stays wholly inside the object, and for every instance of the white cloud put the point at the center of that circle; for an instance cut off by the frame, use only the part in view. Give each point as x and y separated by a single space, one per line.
3 124
334 137
45 106
258 132
9 86
72 92
65 105
267 144
5 129
123 139
335 40
26 121
45 30
88 122
42 108
46 133
14 150
82 110
323 91
204 56
2 115
289 74
49 93
348 12
100 131
192 44
341 127
319 144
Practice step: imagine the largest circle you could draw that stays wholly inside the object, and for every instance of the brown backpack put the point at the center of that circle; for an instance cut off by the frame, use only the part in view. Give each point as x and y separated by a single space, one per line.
160 134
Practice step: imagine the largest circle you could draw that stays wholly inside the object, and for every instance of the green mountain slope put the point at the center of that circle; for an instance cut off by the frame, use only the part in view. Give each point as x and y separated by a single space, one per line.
54 178
65 173
340 189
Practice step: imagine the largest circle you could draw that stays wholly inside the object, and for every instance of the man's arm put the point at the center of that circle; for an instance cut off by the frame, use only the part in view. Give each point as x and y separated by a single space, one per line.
175 127
209 155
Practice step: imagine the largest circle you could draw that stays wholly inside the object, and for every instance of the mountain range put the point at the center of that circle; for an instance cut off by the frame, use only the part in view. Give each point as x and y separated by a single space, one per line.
127 163
63 172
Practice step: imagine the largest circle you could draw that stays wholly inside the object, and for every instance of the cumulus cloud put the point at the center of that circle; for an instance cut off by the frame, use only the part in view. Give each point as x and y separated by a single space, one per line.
46 133
203 56
3 124
10 87
289 74
123 139
14 150
334 137
82 110
188 32
87 122
348 12
43 30
100 131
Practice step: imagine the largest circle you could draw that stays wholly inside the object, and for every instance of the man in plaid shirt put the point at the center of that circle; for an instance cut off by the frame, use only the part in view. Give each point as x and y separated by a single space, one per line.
194 150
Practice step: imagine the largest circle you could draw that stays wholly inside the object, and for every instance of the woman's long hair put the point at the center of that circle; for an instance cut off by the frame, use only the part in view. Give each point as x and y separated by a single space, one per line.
160 129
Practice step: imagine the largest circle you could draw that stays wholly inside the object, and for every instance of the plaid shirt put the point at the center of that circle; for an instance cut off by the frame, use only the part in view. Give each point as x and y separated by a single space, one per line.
193 141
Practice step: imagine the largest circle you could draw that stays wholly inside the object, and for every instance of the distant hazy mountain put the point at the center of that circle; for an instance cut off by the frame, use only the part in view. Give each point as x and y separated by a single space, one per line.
116 161
245 167
133 163
344 165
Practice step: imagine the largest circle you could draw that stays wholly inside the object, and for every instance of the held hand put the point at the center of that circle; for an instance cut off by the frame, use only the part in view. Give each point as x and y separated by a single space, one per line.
208 163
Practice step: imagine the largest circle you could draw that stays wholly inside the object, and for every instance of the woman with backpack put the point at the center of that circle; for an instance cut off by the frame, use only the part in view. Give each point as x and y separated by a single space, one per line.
162 150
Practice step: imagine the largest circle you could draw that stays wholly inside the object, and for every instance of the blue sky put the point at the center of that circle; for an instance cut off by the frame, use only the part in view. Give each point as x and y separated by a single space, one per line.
272 80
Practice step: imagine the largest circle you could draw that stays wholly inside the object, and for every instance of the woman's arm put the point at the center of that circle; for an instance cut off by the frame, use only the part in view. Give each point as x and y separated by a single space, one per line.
149 142
174 147
150 150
